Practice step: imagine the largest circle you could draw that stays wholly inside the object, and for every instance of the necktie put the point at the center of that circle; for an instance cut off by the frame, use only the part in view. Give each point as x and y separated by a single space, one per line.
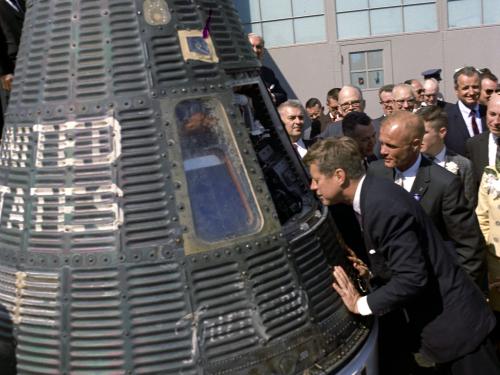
497 160
472 115
399 179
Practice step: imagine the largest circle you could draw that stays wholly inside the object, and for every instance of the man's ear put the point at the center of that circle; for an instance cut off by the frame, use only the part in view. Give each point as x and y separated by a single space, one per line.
417 143
442 132
340 176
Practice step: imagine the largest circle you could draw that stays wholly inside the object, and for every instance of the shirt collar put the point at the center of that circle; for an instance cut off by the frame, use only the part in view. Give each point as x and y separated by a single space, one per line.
356 203
466 110
441 155
412 171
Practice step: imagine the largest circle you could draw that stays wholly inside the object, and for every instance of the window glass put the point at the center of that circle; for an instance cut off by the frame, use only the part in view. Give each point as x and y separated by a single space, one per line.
406 2
348 5
308 8
249 10
375 78
359 79
353 25
220 196
384 3
464 13
386 21
276 9
278 33
491 10
374 59
310 29
357 61
420 17
253 28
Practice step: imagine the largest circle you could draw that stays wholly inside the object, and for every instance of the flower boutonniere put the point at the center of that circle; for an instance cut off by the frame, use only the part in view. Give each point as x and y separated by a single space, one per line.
492 182
452 167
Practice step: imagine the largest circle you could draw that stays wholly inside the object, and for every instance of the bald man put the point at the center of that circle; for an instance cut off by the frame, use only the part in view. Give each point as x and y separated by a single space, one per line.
439 191
277 93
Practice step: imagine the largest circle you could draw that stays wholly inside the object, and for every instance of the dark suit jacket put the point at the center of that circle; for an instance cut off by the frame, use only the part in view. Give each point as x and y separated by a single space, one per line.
466 174
414 269
440 194
333 129
476 150
273 85
458 133
11 25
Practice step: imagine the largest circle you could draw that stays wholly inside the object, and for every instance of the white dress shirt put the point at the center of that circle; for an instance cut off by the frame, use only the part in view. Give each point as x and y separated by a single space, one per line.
466 115
362 303
410 174
301 147
492 149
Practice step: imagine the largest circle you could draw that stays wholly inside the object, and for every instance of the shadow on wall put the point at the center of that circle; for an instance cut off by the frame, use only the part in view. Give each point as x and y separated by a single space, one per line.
7 344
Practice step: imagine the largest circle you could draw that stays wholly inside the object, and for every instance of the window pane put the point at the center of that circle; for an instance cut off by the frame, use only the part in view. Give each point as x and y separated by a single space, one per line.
420 17
310 29
359 79
253 28
491 10
248 10
357 61
346 5
307 8
276 9
386 21
278 33
375 59
375 78
464 13
221 200
384 3
415 1
353 25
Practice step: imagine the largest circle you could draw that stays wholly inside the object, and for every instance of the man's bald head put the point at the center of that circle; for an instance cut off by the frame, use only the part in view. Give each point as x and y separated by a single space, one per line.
351 99
401 135
431 91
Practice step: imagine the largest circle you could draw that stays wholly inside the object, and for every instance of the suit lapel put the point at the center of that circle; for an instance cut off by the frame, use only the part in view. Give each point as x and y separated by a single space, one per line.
460 119
422 179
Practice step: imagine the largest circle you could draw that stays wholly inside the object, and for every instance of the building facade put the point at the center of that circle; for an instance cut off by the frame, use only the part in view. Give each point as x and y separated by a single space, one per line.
316 45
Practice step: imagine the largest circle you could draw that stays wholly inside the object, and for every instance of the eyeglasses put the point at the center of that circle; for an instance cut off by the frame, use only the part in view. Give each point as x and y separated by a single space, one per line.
430 95
491 91
402 101
421 91
300 117
386 102
352 103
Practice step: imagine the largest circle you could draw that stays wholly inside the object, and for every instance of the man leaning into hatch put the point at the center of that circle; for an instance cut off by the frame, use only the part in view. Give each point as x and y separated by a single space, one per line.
425 302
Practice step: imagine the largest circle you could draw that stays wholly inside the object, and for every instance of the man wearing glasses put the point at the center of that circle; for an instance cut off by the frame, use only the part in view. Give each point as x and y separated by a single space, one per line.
466 117
403 98
489 85
418 90
350 99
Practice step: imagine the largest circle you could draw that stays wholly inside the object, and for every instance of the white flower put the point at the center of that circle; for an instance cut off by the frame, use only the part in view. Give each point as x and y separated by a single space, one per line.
493 185
452 167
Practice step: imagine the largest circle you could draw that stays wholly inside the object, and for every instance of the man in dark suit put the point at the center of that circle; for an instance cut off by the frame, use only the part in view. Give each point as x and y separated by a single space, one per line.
439 191
319 120
358 126
414 275
482 149
11 25
350 100
278 94
466 117
292 116
436 125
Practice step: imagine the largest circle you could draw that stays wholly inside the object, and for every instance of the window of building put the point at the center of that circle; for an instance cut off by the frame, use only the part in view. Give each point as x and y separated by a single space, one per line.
366 69
362 18
463 13
284 22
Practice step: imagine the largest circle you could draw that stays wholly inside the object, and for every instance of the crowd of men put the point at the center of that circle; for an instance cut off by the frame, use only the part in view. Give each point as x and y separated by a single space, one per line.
433 266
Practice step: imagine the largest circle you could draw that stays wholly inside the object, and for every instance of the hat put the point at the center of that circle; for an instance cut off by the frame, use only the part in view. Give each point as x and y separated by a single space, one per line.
432 73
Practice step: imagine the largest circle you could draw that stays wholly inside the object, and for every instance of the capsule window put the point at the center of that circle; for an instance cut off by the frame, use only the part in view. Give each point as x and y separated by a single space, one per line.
221 198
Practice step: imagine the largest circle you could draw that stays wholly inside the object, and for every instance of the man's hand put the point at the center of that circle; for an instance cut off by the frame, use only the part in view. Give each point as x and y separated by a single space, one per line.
346 289
495 284
7 81
358 264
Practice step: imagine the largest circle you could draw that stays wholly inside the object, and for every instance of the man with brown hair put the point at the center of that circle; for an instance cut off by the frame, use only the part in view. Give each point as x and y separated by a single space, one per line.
424 301
439 191
436 126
